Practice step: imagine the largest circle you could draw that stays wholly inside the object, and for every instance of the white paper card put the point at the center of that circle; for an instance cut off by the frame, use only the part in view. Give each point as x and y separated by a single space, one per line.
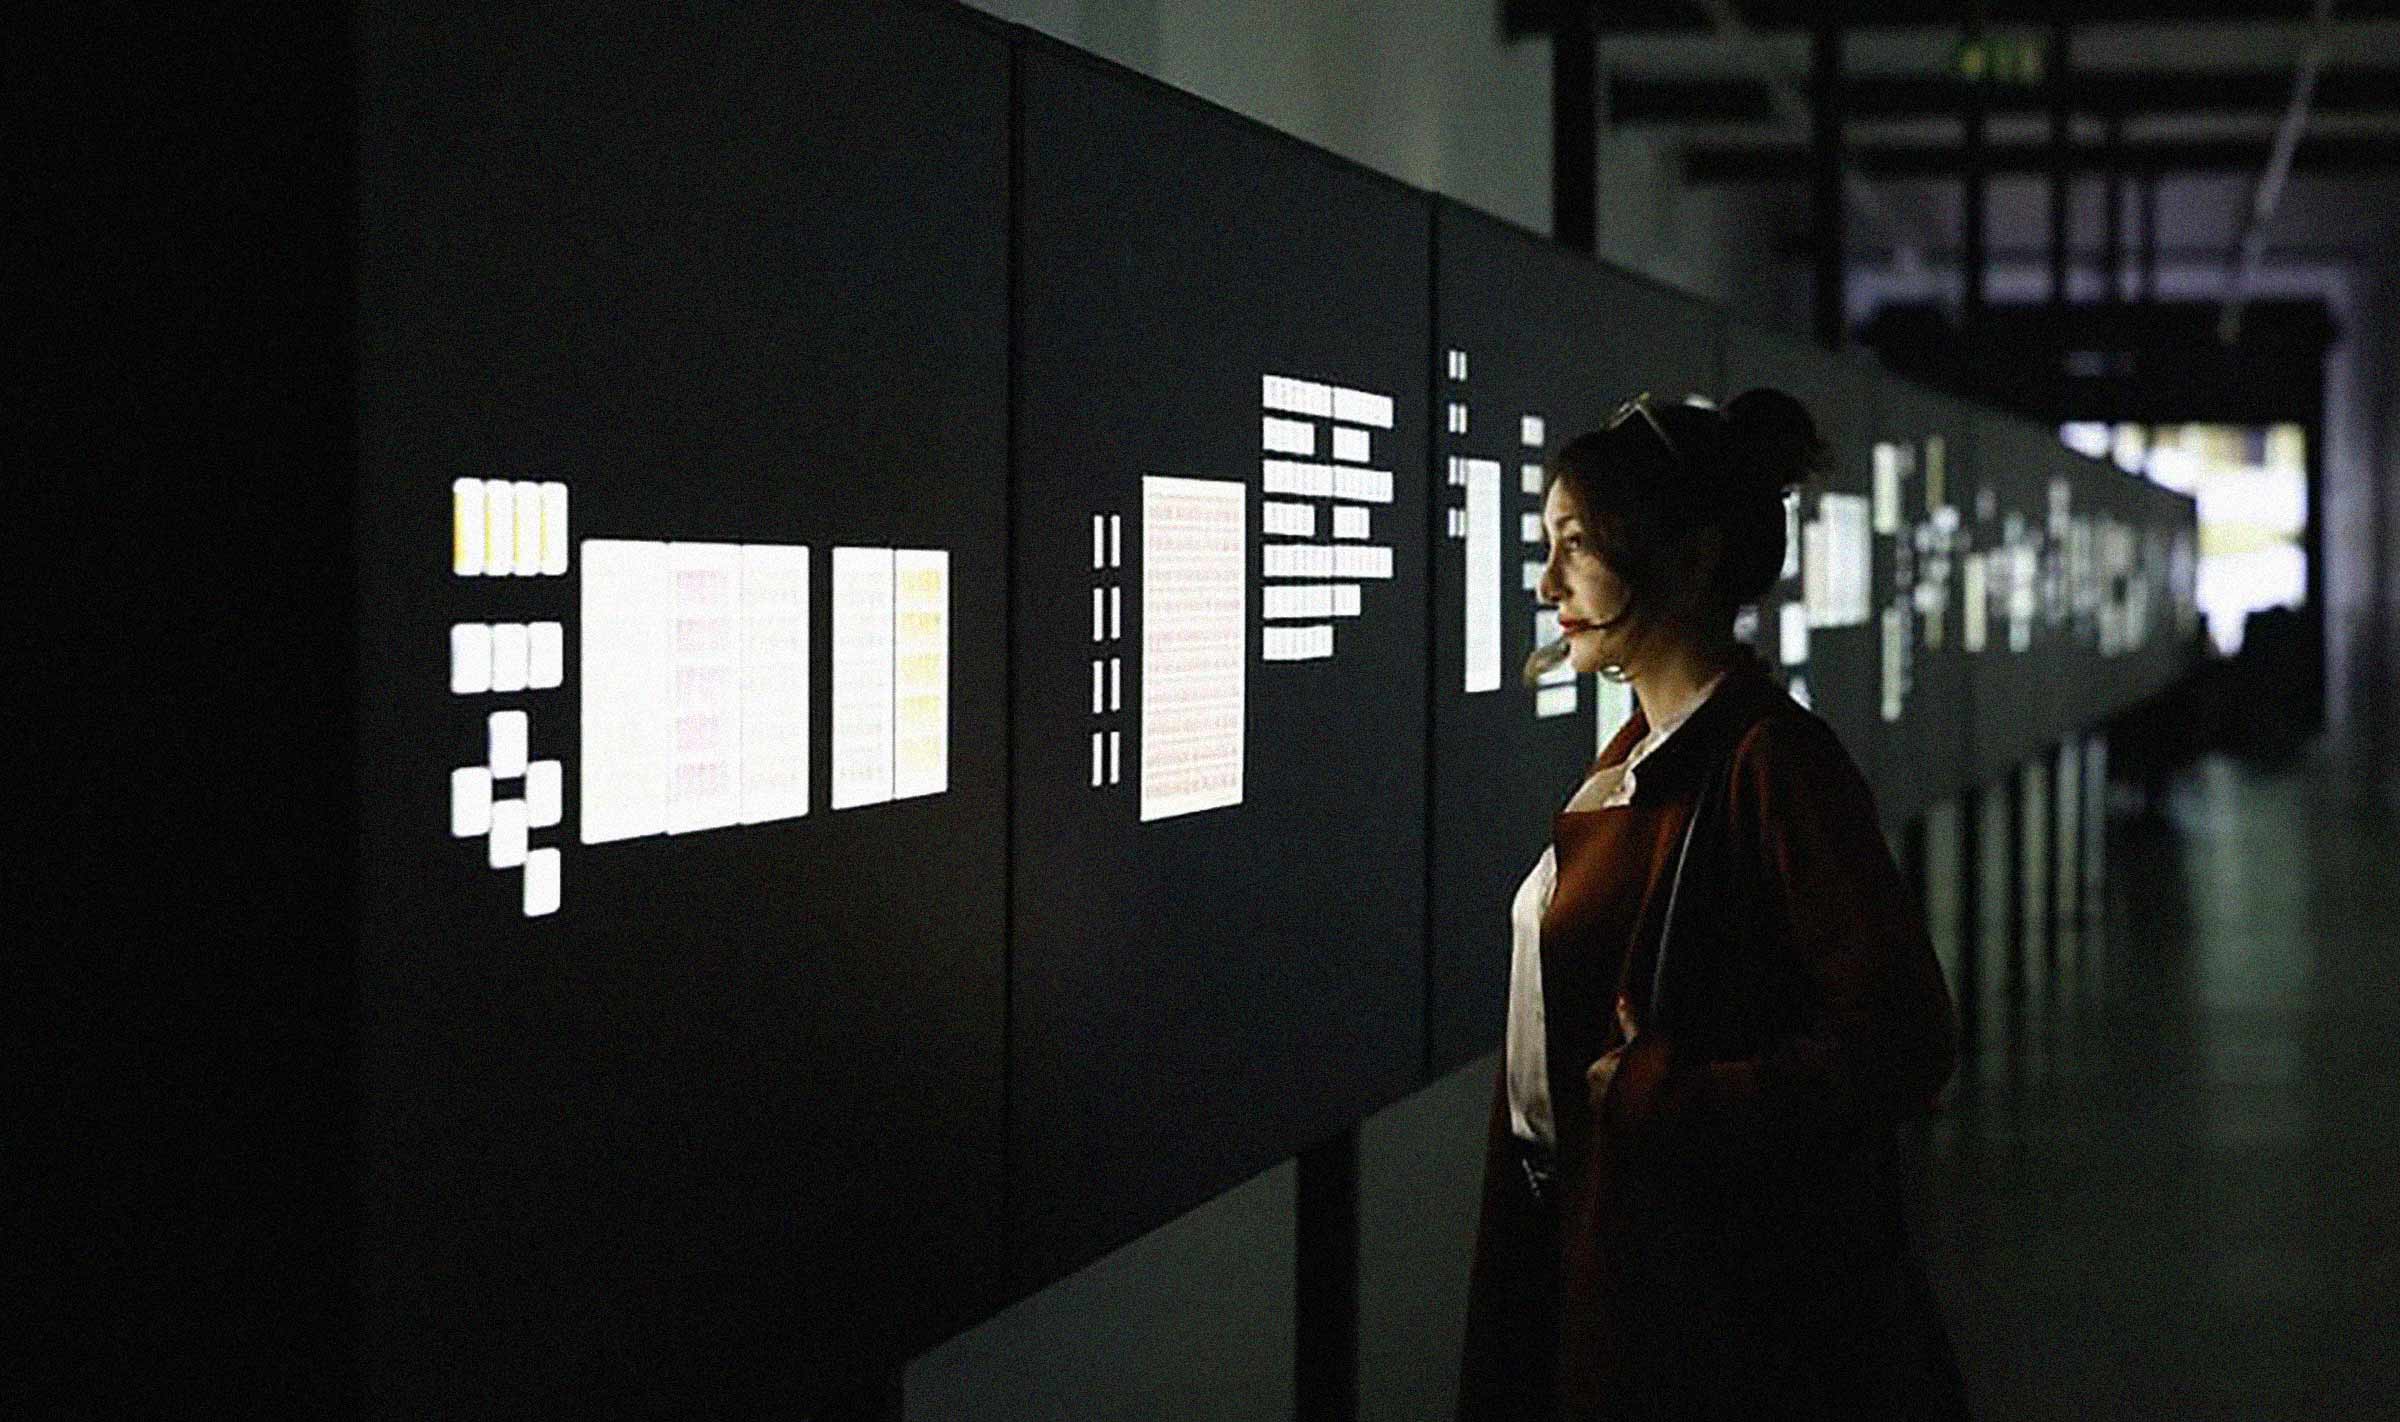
470 801
545 793
466 527
529 528
545 655
507 842
470 658
508 656
1195 619
1483 576
541 883
627 672
705 791
775 686
920 672
505 734
862 676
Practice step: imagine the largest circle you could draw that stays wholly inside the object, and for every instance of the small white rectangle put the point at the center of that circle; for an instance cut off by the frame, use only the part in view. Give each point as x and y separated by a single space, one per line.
505 735
1099 757
545 793
1794 627
920 672
470 658
627 674
466 527
1116 683
1116 614
1554 701
1299 397
1351 445
1099 686
1529 528
1530 574
1345 600
1532 432
1116 540
1458 472
554 530
541 883
1358 407
507 841
1887 488
1289 520
1482 611
1529 479
1456 415
529 529
545 655
470 802
1099 542
1099 615
1286 600
1349 521
775 682
508 656
499 528
1116 743
1372 486
1356 562
862 676
1288 436
1974 602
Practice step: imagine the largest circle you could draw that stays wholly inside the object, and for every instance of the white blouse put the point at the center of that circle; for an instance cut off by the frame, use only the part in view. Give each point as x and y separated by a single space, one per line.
1528 1072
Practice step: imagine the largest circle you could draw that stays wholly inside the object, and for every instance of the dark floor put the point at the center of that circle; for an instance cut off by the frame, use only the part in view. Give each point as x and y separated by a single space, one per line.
2168 1185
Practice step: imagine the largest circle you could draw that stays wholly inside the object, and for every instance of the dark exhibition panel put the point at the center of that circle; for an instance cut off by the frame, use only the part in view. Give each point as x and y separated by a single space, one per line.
1819 625
683 552
1219 842
1534 344
2017 689
1924 495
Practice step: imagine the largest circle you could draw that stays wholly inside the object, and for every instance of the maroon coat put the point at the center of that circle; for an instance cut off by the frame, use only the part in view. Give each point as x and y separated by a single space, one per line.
1730 1239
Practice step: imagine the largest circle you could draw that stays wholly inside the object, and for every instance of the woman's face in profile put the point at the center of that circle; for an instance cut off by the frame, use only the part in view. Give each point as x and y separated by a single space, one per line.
1581 585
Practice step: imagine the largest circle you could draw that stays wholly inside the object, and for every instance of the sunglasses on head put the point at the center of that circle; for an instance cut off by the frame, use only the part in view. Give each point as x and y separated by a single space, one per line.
1641 405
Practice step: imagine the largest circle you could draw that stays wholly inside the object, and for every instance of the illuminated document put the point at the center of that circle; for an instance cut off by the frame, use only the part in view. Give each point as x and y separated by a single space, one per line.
862 676
1483 575
920 672
1195 608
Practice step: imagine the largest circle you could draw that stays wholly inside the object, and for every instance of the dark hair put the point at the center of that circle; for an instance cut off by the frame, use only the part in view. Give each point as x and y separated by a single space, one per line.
1729 468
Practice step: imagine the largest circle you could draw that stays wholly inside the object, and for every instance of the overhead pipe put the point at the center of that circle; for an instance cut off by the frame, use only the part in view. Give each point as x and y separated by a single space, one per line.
2250 245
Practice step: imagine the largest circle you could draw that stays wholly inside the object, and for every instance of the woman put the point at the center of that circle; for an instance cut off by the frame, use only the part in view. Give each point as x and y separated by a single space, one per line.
1691 1201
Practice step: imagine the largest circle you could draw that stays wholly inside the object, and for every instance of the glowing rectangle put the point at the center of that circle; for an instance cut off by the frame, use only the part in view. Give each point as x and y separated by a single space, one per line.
499 527
470 802
1297 644
1895 661
1345 600
1299 397
1349 522
920 672
1099 758
626 669
1288 520
774 682
1483 576
545 793
1099 542
466 527
545 655
1974 606
1532 432
1546 631
470 658
508 657
1099 615
1529 479
1887 488
554 530
1371 486
1116 614
1288 436
1351 446
528 557
1116 683
1099 686
1116 540
1195 617
541 883
506 843
862 676
1116 745
1794 642
705 791
1529 576
505 736
1358 407
1529 528
1554 701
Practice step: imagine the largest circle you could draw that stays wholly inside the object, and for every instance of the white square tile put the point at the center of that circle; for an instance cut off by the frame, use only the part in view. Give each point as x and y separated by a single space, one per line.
506 736
545 655
470 658
541 883
508 656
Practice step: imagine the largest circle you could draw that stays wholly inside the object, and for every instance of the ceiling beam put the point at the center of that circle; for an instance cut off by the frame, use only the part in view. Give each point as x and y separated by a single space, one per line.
1788 162
1635 101
1520 19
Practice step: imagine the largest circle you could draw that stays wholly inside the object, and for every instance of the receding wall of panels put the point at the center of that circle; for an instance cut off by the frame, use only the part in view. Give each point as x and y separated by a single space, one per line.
1219 643
1923 506
1533 345
683 556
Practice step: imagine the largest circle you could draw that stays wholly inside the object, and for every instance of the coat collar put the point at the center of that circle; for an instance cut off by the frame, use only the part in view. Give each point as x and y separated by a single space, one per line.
1746 694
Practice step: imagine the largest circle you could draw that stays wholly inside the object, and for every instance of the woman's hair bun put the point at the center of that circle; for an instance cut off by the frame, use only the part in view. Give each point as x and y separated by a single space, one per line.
1770 438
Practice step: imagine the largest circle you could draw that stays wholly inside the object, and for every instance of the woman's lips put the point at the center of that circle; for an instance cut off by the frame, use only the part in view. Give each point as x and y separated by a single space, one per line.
1570 626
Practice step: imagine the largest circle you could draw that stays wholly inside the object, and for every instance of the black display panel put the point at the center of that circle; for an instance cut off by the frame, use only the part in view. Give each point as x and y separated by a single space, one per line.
682 559
1219 643
2019 703
1533 345
1820 628
1925 495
